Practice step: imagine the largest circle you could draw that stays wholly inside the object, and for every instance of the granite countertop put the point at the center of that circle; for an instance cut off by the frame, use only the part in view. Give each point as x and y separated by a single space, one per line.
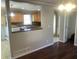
24 29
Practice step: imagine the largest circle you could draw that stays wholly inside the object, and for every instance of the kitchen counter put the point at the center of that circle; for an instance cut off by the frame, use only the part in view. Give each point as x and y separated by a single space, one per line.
18 29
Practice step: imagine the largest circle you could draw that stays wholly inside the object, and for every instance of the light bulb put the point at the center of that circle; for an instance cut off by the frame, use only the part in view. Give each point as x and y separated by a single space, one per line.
61 7
12 14
69 7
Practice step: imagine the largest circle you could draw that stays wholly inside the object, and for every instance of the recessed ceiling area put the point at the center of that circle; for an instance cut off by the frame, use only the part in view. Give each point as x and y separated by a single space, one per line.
40 2
31 5
47 2
20 7
24 6
53 3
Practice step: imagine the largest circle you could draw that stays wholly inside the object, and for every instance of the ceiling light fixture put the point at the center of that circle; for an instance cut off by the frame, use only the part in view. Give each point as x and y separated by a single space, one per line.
61 7
69 7
12 14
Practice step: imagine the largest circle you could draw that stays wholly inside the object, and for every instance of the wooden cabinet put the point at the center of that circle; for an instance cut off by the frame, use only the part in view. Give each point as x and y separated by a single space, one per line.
36 16
17 18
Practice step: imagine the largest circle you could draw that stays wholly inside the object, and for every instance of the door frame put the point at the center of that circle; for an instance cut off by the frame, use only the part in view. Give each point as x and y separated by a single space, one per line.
7 6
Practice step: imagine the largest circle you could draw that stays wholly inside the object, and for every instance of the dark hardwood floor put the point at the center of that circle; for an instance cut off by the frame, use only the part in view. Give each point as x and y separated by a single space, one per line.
57 51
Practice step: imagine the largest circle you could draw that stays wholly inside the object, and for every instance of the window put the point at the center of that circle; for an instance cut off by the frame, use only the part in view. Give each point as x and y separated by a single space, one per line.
54 25
27 20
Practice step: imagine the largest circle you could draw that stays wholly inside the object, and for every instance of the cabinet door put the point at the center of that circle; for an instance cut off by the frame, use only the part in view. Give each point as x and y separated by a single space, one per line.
36 16
18 17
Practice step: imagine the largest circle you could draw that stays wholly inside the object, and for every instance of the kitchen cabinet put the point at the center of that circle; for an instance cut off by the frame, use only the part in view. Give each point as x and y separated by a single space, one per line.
17 18
36 16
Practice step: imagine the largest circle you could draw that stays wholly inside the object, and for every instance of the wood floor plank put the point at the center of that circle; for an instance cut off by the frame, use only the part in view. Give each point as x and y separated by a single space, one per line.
57 51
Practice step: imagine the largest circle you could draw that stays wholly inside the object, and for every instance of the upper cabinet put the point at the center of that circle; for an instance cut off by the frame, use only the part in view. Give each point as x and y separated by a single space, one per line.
36 16
16 18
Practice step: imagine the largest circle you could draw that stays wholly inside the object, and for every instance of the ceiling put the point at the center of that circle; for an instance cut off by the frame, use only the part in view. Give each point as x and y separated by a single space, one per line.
47 2
31 5
20 7
37 2
40 2
43 2
24 6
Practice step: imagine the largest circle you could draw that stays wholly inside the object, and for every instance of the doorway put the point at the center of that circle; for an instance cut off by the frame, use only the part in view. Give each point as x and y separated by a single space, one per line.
72 27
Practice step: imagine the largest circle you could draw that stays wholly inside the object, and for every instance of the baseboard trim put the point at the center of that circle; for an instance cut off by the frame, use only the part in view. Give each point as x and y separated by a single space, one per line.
32 51
62 41
58 40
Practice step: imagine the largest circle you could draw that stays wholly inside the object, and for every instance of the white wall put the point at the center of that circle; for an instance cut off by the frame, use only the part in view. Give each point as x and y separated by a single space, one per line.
61 29
26 41
71 17
71 25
